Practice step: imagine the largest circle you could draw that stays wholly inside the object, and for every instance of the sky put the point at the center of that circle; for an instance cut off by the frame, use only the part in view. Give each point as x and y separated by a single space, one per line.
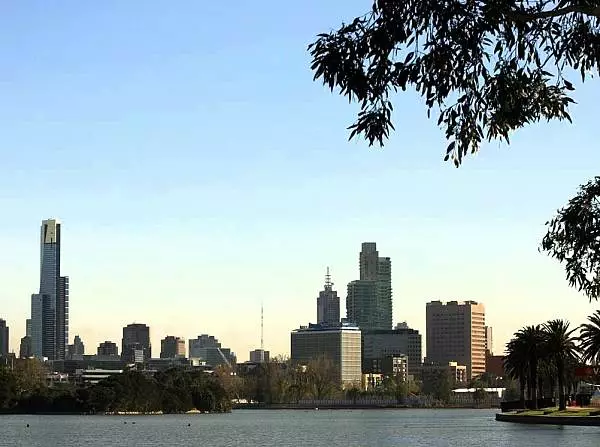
199 171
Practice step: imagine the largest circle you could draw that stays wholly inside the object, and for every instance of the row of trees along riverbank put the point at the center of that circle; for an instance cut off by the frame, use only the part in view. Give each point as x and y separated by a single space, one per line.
544 358
24 390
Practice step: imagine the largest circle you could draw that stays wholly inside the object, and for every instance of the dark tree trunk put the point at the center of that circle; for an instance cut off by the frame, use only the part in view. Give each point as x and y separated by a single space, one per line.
522 386
562 404
534 384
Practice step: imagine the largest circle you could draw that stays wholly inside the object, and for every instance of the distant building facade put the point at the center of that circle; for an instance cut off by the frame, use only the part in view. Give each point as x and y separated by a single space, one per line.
259 356
107 349
489 341
328 304
172 347
369 299
135 346
380 344
25 348
456 333
340 344
456 373
494 364
77 349
4 338
208 348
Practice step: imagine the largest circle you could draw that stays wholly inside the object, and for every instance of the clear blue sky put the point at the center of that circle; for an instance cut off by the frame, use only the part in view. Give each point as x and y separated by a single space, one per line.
198 171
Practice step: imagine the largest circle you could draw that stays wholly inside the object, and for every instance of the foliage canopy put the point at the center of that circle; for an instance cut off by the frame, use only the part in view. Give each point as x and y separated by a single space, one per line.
488 67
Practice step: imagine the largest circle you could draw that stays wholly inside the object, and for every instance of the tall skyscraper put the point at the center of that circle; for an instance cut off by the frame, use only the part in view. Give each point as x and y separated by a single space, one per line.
136 339
172 347
456 333
328 304
50 307
489 341
4 333
369 300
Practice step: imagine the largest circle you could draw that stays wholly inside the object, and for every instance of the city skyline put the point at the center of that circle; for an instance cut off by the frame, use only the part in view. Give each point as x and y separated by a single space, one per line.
199 180
328 285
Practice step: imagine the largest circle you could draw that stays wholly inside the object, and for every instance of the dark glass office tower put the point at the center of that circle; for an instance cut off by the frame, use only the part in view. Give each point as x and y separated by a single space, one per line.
50 307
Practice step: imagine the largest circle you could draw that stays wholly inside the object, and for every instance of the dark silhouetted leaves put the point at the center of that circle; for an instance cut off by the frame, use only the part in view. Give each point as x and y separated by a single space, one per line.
573 238
482 64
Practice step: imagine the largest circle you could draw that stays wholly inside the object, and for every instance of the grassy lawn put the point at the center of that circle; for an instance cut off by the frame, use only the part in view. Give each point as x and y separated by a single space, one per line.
554 412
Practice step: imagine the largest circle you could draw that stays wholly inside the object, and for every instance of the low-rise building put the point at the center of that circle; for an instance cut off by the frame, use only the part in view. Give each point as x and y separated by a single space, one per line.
259 356
456 373
494 364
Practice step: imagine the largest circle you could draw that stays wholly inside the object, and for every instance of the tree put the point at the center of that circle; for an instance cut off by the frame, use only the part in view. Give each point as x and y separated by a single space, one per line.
516 363
573 238
590 339
488 68
533 338
323 377
479 395
438 385
559 346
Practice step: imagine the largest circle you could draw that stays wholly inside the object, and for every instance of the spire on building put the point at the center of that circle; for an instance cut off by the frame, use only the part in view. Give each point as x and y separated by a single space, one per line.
328 283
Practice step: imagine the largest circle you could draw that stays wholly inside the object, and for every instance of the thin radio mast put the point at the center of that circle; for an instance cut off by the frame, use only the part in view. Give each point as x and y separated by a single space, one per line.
262 327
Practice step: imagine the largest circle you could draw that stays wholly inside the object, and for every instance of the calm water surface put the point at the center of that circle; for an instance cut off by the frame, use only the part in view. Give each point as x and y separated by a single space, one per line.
340 428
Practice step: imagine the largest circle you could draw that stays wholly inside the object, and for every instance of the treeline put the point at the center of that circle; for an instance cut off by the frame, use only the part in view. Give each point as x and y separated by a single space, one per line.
280 382
171 391
544 358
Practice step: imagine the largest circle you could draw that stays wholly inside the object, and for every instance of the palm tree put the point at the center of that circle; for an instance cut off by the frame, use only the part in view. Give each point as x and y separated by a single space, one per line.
559 346
533 338
590 339
515 364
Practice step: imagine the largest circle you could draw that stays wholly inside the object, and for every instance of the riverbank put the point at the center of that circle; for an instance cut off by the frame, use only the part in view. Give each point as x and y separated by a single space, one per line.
588 417
356 407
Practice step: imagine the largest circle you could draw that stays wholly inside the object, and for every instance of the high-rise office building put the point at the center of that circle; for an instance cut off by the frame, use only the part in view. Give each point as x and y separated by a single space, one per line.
328 304
25 349
379 344
76 350
37 324
208 348
369 300
340 345
456 333
50 307
107 348
489 341
4 334
172 347
135 347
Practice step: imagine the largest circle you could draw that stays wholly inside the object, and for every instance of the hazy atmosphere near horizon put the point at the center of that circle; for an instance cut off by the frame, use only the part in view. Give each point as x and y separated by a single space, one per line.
199 171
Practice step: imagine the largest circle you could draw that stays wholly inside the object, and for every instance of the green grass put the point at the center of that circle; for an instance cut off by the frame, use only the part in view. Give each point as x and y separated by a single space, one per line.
550 412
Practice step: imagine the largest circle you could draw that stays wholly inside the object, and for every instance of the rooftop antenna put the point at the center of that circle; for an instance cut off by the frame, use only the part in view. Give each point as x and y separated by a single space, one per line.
262 327
328 283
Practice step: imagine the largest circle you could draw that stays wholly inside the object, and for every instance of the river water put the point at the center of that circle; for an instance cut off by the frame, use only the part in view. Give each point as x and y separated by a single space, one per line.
337 428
